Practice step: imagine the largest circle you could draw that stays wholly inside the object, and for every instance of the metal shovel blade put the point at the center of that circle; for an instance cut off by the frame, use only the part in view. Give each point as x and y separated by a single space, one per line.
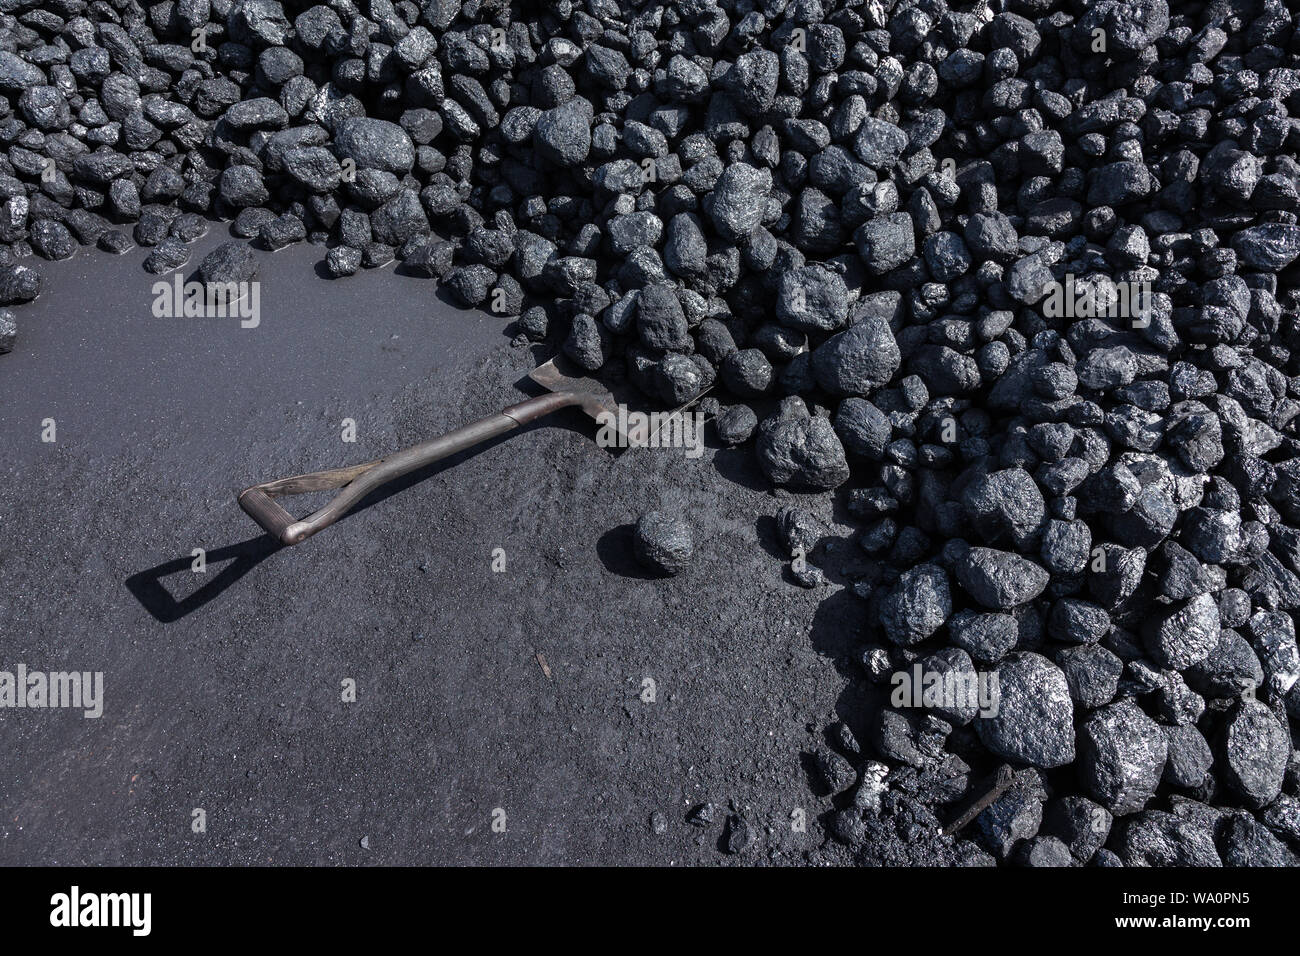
560 375
598 399
609 406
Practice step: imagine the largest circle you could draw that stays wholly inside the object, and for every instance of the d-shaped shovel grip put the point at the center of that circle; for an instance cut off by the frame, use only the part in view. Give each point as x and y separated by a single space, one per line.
358 481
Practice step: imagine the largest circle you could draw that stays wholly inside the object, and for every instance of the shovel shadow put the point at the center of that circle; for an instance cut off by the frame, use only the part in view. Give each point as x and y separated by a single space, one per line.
147 588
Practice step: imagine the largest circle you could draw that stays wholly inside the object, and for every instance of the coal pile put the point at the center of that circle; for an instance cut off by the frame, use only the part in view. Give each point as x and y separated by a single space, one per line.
1016 280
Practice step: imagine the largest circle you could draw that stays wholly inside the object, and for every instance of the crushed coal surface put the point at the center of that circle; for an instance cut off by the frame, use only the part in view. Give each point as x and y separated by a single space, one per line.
1015 281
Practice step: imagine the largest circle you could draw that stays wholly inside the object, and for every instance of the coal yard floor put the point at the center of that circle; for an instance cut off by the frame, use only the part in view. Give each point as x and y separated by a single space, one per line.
477 691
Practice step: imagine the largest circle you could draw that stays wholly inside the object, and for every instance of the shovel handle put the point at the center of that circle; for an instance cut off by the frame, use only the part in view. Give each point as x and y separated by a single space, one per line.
263 509
358 481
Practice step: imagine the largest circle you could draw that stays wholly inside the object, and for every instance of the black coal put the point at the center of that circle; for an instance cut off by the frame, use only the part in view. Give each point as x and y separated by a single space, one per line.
1018 277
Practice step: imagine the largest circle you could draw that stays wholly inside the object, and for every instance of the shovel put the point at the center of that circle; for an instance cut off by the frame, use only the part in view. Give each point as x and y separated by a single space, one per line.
565 387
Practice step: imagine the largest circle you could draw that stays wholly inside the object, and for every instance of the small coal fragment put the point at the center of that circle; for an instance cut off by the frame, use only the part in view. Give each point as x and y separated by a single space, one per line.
8 330
51 240
833 773
1034 719
1044 850
1122 755
701 815
342 261
1155 838
18 283
999 580
1244 841
1011 819
167 256
736 835
1079 823
801 450
115 241
1186 635
736 424
229 262
663 543
1254 747
1190 757
917 606
799 530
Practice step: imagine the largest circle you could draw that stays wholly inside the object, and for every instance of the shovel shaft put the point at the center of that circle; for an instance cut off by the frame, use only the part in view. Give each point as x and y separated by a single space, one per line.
358 481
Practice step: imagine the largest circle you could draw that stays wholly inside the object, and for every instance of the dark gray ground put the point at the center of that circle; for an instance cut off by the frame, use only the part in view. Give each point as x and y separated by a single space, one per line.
223 689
